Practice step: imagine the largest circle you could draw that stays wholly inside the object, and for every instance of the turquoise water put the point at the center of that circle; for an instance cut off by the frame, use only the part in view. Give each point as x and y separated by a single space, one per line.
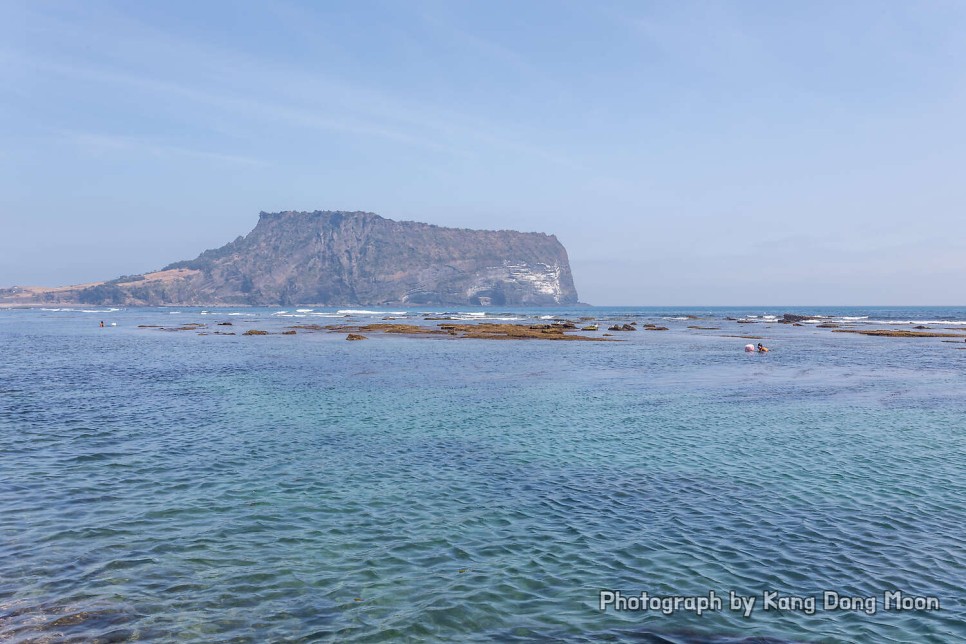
170 486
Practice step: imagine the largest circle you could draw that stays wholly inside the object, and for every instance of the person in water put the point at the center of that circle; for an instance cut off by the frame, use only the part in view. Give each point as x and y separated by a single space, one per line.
102 326
762 349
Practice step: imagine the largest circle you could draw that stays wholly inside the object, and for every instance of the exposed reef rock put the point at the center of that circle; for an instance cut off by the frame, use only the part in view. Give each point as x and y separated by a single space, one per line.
900 333
480 331
345 258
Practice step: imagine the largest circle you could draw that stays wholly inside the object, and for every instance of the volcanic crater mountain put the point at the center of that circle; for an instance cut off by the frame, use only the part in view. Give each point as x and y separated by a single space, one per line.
345 258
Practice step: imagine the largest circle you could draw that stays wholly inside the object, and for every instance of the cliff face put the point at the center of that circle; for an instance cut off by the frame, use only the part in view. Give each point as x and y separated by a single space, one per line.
355 258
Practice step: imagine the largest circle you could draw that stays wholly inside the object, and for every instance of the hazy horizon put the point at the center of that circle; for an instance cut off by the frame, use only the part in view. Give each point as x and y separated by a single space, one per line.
686 152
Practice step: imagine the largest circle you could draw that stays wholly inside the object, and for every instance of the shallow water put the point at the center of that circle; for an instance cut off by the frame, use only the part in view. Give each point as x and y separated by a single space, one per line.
158 485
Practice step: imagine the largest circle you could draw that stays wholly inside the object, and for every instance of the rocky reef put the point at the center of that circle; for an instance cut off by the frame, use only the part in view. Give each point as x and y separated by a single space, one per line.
345 258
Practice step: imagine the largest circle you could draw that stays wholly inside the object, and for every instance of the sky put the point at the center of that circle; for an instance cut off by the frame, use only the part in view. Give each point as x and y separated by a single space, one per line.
685 153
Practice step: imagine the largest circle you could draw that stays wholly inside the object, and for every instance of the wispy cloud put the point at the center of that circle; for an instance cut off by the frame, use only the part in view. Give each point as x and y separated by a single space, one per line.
99 142
233 85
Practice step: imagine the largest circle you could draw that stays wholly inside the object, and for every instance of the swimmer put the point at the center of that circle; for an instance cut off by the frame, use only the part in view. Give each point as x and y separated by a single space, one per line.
762 349
102 324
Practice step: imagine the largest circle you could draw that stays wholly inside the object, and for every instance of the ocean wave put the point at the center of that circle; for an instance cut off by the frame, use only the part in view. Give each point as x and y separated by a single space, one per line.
924 322
348 312
304 310
97 310
358 312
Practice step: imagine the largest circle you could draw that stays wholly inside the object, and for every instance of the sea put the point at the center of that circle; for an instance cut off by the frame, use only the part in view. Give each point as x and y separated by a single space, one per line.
194 486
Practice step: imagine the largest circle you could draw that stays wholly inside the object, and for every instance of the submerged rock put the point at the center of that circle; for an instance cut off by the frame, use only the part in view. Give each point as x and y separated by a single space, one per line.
899 333
356 336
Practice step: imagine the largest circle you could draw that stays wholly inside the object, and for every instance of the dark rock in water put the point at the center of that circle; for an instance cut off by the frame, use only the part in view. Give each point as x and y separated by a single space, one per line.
348 258
255 332
225 324
628 327
616 327
899 333
289 332
356 336
656 328
791 317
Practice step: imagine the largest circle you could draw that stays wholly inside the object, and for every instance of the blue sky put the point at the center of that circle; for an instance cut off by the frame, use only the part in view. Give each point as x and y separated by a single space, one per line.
684 152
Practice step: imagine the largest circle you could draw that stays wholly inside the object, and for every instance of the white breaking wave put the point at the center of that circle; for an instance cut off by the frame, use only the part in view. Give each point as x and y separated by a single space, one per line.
923 322
470 318
304 310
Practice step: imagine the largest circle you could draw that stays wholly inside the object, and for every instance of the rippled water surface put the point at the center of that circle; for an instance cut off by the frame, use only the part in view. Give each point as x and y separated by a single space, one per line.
180 487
